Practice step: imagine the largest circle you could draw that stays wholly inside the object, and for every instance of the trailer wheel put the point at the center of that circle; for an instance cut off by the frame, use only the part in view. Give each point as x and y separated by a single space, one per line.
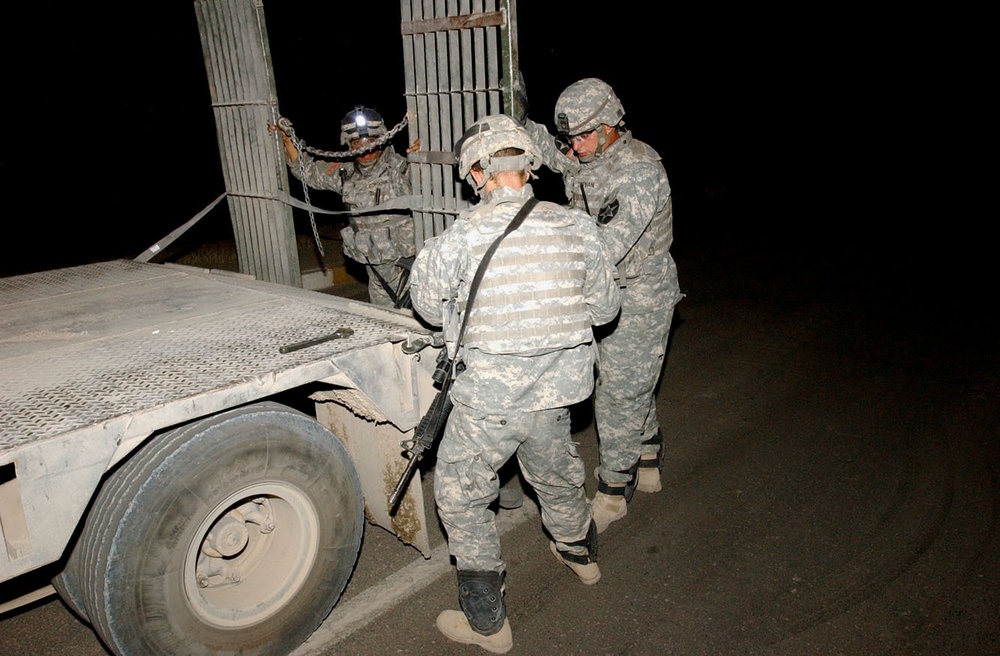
236 533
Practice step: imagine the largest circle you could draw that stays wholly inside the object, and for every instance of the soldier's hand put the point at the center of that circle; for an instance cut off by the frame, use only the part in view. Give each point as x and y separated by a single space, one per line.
415 146
272 127
290 150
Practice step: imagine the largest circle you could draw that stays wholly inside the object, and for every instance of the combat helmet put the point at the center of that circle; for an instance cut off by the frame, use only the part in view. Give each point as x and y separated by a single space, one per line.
488 136
360 123
585 105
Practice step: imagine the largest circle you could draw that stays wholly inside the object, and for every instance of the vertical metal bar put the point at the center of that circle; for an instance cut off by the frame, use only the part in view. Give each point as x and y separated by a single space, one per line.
442 113
494 103
433 108
510 60
453 188
420 89
415 125
479 65
468 74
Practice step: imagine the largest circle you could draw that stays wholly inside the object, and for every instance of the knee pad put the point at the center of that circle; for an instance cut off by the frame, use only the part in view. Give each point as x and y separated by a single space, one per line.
480 594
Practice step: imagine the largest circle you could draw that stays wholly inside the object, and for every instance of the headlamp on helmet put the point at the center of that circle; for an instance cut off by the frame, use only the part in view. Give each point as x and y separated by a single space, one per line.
361 123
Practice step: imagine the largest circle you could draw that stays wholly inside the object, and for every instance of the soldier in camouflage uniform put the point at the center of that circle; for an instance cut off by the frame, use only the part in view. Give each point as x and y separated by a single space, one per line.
379 241
620 181
527 354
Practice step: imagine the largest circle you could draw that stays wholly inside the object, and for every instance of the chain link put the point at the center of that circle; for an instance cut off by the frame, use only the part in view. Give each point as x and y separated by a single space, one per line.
376 144
305 188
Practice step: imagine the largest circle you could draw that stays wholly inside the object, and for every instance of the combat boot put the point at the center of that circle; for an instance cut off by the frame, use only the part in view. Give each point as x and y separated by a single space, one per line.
483 618
649 467
608 505
584 565
511 494
649 479
455 626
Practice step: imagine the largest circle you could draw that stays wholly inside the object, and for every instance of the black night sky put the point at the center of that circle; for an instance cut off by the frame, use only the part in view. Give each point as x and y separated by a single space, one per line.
809 134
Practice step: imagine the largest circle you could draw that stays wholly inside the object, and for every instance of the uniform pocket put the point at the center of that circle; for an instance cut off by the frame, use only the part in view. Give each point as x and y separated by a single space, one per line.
381 242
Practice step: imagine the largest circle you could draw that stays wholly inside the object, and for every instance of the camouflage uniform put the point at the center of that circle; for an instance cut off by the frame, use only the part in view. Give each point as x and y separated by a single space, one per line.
376 240
528 354
627 192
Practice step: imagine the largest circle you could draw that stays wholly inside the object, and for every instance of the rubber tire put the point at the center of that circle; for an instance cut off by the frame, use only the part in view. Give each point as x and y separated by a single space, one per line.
131 573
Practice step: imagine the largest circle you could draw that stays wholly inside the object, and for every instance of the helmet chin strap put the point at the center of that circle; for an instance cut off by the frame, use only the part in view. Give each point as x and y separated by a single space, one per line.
478 187
602 144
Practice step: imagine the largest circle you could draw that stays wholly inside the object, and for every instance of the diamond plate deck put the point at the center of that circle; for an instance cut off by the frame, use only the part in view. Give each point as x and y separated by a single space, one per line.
84 345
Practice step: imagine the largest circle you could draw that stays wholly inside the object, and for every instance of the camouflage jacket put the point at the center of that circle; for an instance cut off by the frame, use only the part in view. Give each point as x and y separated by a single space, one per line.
520 375
370 238
627 192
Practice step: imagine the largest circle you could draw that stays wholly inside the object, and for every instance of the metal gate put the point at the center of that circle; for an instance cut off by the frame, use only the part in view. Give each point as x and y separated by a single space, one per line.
241 83
460 64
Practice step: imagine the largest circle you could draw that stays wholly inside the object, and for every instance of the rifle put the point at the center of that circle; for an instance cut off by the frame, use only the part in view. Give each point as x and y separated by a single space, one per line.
427 431
432 423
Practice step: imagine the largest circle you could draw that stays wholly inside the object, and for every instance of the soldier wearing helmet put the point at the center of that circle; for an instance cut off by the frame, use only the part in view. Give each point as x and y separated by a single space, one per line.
589 117
526 353
382 242
622 184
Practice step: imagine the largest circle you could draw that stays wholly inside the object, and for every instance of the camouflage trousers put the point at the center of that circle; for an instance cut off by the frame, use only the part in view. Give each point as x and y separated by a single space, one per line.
377 295
631 360
474 447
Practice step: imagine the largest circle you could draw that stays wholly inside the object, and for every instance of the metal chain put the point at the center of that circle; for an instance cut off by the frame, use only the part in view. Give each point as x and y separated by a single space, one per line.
378 143
305 194
286 127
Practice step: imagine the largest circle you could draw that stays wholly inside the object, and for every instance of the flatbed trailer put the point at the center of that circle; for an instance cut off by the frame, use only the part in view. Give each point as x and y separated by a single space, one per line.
196 453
